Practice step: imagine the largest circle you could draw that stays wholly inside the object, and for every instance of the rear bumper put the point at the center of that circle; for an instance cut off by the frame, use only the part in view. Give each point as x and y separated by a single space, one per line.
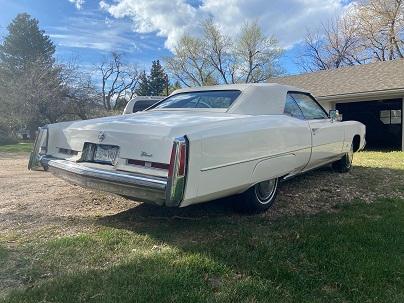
159 190
140 187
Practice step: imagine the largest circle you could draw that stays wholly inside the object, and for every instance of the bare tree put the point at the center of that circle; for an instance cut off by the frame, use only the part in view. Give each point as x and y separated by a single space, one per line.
83 100
218 51
189 64
118 80
257 55
372 31
382 27
335 45
217 58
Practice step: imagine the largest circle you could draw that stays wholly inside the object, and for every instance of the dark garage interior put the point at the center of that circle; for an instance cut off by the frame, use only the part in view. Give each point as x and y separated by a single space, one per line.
383 120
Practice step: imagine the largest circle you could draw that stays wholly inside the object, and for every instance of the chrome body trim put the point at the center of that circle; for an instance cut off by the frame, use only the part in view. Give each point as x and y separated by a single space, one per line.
291 153
176 183
140 187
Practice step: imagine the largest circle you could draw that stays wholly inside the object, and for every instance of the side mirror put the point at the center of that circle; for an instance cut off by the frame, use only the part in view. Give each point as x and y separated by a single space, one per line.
334 115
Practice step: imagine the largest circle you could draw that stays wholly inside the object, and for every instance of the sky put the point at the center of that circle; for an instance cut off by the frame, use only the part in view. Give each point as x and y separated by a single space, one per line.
85 31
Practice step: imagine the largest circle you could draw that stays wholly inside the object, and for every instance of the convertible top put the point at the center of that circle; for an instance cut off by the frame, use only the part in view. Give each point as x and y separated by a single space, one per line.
255 98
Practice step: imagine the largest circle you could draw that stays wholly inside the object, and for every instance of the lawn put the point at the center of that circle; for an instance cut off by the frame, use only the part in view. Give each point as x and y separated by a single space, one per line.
16 148
353 252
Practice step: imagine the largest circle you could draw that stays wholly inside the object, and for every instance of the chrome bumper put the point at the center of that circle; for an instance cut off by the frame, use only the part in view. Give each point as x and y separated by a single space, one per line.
159 190
140 187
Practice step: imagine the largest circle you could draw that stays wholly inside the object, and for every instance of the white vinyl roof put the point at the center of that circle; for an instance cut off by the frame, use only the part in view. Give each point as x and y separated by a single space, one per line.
255 98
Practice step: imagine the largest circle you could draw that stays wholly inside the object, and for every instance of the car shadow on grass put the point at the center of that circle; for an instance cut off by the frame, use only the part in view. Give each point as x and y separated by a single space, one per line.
320 190
224 207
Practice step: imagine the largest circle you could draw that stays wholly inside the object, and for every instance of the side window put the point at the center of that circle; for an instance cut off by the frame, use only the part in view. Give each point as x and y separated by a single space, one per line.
310 108
292 109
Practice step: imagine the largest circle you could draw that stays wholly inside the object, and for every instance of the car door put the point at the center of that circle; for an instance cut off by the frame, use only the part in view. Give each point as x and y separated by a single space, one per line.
299 136
327 136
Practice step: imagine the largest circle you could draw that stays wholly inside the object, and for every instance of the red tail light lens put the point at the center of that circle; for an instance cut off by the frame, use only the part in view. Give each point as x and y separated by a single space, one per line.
182 160
178 160
177 172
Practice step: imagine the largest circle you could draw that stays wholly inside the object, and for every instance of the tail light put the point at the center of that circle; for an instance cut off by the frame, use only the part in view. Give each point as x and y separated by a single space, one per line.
177 171
40 149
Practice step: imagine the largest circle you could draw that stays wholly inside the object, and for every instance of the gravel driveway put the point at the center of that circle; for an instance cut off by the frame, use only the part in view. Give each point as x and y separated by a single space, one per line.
32 200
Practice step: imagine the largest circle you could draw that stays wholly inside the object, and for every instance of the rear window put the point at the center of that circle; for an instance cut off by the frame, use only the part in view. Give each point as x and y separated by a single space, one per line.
143 104
200 99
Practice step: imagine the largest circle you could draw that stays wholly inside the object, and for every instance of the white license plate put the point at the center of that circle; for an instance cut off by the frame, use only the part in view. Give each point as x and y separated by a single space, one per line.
105 153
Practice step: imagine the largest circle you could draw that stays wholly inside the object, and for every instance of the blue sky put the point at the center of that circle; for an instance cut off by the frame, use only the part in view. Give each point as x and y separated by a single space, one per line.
87 30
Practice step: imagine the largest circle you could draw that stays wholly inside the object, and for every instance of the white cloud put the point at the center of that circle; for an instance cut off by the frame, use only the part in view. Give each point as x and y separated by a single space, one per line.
287 20
169 19
77 3
87 29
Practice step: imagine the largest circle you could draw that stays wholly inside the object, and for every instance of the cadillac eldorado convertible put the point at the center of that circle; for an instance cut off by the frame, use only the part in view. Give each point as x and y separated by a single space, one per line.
200 144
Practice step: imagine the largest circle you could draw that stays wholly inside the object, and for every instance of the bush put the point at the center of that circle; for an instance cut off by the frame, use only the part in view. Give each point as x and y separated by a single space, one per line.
6 139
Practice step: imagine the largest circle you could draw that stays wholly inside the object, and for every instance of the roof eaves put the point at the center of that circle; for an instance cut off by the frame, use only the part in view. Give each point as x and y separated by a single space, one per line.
385 93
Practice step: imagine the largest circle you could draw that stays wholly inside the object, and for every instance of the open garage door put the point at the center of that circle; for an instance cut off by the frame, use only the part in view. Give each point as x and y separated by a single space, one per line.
383 120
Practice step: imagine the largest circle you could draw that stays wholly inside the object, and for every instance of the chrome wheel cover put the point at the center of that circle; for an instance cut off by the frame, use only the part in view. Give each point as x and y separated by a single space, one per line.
265 191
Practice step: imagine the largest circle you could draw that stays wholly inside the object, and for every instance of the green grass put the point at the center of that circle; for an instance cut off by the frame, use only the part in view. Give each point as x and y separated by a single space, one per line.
389 160
355 253
16 148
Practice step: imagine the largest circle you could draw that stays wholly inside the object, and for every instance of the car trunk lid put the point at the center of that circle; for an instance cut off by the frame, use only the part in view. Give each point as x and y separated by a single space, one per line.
145 136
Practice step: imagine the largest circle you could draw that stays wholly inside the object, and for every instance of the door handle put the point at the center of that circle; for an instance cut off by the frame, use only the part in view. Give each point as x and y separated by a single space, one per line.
314 130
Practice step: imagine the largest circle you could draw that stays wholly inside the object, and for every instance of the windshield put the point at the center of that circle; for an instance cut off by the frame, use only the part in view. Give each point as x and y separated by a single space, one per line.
200 99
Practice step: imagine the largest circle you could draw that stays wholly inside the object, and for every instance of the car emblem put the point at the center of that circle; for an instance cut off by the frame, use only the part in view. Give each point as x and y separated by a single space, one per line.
101 136
144 154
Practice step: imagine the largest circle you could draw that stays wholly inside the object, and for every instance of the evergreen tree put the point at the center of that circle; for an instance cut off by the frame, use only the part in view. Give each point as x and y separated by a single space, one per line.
157 79
31 86
25 45
144 88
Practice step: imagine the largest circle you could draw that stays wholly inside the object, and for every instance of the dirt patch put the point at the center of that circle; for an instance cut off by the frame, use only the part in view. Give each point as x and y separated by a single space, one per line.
32 200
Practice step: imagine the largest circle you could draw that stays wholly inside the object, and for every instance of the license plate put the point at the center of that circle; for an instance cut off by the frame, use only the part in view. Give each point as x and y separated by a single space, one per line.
105 153
101 153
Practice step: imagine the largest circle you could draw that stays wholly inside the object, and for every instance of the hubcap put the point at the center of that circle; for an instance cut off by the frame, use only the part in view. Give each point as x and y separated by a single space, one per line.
266 190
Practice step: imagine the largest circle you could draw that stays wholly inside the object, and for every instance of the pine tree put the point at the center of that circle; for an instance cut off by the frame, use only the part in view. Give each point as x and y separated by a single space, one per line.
31 87
157 79
25 45
144 88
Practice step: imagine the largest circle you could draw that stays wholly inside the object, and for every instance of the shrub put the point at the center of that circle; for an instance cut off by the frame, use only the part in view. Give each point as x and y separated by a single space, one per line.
6 139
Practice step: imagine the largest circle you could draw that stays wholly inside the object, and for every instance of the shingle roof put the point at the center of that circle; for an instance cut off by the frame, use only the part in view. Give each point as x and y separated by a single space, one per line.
379 76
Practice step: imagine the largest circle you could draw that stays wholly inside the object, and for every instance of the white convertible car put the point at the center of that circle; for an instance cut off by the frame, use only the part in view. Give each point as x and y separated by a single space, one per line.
200 144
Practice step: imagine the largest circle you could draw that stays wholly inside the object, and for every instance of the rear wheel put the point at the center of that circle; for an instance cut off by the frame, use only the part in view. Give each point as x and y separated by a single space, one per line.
344 165
260 197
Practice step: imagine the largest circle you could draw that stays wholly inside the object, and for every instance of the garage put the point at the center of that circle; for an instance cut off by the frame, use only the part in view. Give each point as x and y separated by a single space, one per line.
383 120
370 93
